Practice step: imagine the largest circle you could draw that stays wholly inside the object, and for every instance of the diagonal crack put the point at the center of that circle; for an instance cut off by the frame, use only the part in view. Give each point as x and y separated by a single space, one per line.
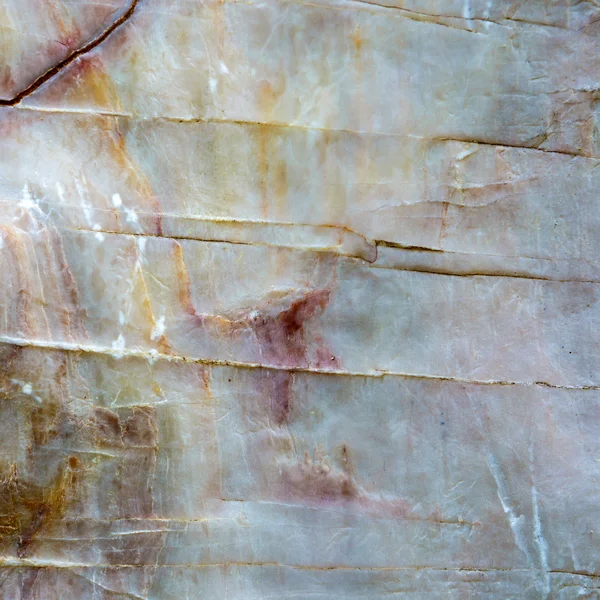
56 69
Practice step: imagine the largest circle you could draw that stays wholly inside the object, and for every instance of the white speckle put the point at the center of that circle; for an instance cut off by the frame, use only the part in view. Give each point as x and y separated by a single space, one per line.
540 540
87 210
517 523
213 84
253 315
26 198
223 68
158 329
1 242
130 214
153 355
118 345
116 200
141 244
466 152
121 318
60 190
98 236
27 389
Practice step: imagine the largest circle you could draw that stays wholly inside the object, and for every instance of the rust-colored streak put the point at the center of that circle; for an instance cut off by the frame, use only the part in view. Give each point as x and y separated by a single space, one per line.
56 69
183 279
27 508
40 491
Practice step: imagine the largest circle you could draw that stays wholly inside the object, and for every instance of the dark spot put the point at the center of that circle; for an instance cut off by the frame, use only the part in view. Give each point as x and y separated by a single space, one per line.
345 459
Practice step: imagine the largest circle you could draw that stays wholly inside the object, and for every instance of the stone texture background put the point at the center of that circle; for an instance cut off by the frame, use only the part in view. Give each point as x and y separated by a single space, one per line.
299 300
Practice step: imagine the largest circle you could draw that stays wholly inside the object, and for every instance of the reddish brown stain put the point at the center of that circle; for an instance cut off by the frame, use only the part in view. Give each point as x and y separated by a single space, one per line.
140 429
281 397
27 508
9 358
40 490
281 335
72 312
16 281
324 358
316 481
7 81
277 325
136 429
86 81
107 426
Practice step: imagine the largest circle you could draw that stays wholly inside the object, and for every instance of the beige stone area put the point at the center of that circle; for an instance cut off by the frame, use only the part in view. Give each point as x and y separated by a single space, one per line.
299 300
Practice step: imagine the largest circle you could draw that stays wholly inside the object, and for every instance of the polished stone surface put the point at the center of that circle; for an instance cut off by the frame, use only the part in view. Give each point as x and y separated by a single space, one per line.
299 299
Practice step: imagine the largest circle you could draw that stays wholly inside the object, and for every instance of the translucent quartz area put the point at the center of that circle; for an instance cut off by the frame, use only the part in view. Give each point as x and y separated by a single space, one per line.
299 300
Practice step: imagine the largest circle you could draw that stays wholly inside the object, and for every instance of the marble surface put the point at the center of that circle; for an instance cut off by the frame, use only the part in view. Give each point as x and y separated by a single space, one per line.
299 300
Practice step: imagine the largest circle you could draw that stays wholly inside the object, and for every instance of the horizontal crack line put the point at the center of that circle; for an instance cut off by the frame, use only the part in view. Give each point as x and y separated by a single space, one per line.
52 72
314 245
482 273
282 125
10 563
340 250
431 18
422 17
523 146
153 356
373 263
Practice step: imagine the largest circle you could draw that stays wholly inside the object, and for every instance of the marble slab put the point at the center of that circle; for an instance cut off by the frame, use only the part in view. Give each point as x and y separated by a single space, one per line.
299 300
